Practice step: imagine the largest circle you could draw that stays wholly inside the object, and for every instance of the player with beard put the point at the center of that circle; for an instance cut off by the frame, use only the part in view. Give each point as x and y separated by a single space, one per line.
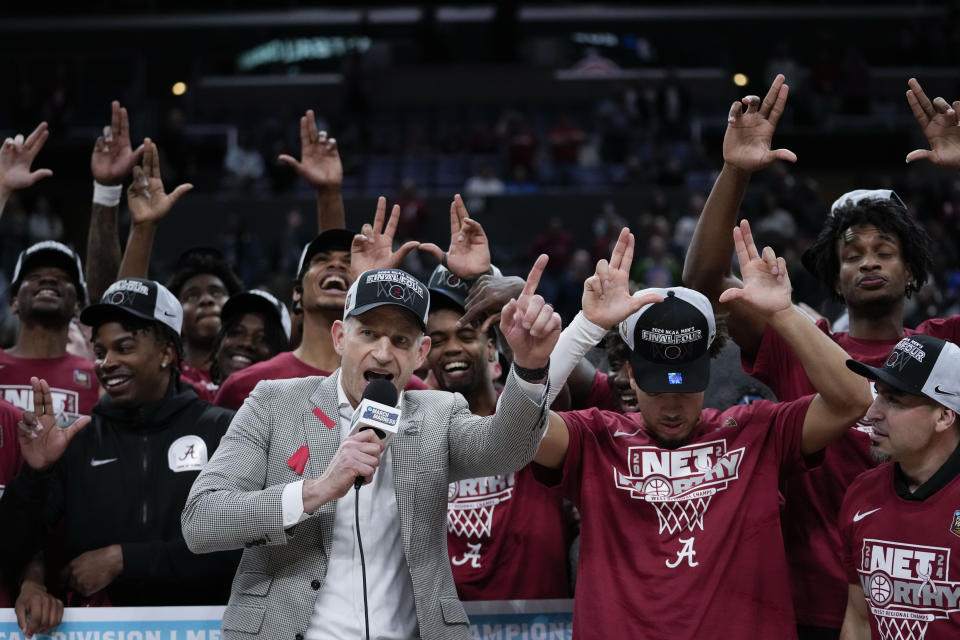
679 504
900 522
327 268
871 254
491 521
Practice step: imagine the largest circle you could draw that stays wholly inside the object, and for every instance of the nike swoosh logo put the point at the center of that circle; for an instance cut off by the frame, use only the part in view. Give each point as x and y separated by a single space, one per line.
946 393
96 463
624 434
857 517
169 315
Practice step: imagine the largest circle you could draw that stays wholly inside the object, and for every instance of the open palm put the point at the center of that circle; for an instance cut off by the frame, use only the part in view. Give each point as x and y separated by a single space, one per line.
469 254
766 285
606 297
746 143
372 248
113 157
319 162
42 441
939 120
146 199
16 156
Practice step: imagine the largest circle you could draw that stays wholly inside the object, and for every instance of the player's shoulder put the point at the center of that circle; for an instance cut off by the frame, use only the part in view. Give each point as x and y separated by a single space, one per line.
257 370
8 412
944 328
603 420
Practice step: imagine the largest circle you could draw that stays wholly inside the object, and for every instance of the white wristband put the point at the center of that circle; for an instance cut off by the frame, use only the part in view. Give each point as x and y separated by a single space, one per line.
575 341
106 196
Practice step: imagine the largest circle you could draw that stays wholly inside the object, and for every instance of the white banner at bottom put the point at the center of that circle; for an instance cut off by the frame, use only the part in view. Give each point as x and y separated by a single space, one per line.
492 620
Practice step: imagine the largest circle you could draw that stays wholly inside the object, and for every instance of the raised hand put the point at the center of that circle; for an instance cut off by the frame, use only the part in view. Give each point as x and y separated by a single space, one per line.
469 254
146 199
488 295
16 156
319 162
530 326
372 248
939 122
42 441
746 144
113 157
606 294
766 285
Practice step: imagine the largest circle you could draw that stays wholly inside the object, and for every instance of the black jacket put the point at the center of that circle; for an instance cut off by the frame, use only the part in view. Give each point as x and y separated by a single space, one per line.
116 484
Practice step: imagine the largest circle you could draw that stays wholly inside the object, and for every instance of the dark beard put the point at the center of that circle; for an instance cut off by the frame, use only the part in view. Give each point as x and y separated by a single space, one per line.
52 319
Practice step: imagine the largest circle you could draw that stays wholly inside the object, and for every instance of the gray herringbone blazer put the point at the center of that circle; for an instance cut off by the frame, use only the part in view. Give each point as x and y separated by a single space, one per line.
235 501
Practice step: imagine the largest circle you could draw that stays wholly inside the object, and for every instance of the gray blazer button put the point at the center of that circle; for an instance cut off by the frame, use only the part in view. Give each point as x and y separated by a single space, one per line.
315 585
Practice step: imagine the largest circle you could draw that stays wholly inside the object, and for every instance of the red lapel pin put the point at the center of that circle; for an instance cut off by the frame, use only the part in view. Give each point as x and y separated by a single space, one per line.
298 461
324 418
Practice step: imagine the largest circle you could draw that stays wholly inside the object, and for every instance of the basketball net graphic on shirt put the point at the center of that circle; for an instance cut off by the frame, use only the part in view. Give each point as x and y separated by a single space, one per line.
470 507
907 587
65 401
679 484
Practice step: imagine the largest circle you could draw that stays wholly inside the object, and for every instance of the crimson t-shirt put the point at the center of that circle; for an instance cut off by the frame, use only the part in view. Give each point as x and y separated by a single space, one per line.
906 556
282 366
813 499
10 461
73 384
200 380
682 543
505 537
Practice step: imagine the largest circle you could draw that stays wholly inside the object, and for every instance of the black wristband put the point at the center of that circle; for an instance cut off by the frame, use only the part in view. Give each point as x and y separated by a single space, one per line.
535 376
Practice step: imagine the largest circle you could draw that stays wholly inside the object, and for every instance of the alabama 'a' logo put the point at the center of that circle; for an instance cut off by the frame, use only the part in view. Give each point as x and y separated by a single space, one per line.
188 453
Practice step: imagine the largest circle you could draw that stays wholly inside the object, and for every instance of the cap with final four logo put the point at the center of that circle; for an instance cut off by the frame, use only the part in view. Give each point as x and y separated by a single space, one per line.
920 365
137 297
670 341
379 287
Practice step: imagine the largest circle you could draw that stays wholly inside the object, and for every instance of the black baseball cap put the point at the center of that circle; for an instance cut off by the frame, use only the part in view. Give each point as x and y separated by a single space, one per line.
257 301
450 287
670 341
922 366
336 239
50 253
379 287
136 297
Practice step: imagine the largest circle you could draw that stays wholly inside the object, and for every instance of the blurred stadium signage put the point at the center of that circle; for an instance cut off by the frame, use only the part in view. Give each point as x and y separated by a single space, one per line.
291 51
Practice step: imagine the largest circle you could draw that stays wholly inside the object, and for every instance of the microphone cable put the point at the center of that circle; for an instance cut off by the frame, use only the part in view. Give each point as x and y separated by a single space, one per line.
363 566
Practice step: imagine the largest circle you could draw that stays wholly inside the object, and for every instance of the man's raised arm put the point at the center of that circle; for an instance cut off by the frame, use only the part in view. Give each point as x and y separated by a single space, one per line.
16 156
111 162
320 166
842 396
746 149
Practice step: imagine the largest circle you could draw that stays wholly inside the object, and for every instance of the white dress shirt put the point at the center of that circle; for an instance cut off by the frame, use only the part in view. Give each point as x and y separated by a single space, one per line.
339 610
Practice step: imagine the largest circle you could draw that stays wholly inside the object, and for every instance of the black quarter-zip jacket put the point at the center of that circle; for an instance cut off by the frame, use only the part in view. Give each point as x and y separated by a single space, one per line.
116 484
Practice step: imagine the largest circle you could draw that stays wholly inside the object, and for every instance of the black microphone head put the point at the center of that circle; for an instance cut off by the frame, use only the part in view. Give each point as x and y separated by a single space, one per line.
382 391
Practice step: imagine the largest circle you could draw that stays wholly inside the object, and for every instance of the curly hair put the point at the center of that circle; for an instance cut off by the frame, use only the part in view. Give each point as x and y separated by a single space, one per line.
823 260
200 260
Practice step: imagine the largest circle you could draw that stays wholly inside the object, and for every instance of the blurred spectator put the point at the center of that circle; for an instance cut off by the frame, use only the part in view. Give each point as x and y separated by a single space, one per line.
478 187
520 141
243 164
44 224
558 243
294 235
242 249
657 268
520 182
566 138
606 230
673 109
413 212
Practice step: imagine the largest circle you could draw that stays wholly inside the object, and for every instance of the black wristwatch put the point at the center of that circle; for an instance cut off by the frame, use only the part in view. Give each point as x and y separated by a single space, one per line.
535 376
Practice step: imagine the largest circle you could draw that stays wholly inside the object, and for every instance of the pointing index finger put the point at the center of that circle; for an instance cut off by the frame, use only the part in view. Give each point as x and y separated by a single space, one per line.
533 279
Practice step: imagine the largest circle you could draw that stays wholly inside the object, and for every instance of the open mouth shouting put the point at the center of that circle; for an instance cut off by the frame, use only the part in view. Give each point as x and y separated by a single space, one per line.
334 283
373 374
456 370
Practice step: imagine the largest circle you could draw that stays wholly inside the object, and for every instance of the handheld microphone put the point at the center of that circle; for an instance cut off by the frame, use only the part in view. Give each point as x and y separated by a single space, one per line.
377 411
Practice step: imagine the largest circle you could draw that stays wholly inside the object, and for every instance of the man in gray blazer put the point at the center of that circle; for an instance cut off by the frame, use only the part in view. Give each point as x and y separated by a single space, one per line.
279 482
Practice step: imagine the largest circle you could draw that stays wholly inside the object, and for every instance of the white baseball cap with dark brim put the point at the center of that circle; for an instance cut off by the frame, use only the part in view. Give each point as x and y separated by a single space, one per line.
258 301
922 366
50 253
138 297
379 287
670 341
